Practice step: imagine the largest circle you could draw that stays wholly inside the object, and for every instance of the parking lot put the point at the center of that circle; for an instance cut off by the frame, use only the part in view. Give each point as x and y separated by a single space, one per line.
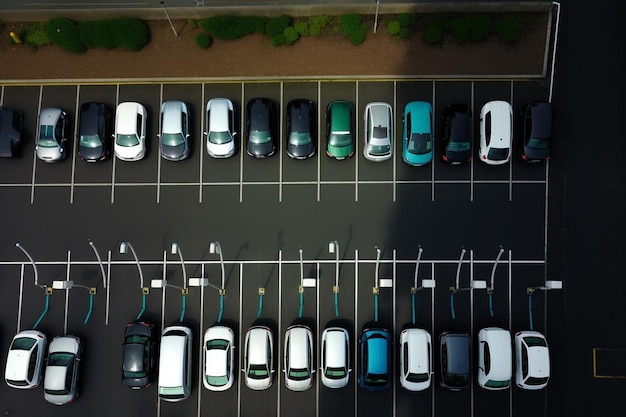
262 212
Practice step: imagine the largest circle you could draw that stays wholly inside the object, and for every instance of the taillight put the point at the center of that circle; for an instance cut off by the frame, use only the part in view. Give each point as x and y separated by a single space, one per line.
445 158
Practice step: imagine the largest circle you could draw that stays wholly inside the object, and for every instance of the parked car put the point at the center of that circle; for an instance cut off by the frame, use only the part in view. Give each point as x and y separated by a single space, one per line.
335 366
495 358
456 134
261 127
418 142
298 358
94 129
139 355
130 131
532 360
25 359
10 132
537 131
174 136
301 129
378 119
456 364
376 359
220 134
415 359
53 134
175 358
496 132
60 383
218 358
258 358
340 137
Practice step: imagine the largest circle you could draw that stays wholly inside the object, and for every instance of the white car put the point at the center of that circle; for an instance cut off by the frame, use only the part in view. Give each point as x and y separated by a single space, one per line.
218 355
60 384
130 131
378 132
25 359
415 359
298 359
496 132
53 135
258 358
495 358
532 360
220 134
335 365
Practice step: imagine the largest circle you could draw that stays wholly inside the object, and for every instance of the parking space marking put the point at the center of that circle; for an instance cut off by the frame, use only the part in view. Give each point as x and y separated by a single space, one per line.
280 154
613 358
158 195
394 129
117 101
32 185
512 151
201 147
473 142
242 123
432 163
319 140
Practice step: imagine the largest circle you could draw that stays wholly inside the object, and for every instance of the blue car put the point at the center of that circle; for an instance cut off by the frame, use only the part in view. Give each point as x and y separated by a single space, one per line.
417 136
376 363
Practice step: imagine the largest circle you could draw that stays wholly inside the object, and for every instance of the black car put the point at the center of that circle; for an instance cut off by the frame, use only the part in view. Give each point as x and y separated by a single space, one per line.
94 132
10 132
261 127
301 130
537 134
456 134
140 353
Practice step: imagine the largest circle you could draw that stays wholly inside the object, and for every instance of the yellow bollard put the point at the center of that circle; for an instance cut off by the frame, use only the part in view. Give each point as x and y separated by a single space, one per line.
15 38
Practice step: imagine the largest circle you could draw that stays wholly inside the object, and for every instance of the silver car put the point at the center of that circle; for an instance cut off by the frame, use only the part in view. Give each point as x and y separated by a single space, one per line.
378 132
52 135
60 383
174 136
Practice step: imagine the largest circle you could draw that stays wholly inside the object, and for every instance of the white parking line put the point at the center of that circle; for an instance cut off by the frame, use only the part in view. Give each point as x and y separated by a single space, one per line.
117 101
432 163
241 141
394 129
75 142
319 139
280 136
67 292
473 148
32 189
201 143
511 162
20 299
158 141
356 145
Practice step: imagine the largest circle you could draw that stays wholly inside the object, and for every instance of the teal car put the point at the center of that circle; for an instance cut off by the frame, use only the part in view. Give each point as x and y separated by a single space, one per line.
417 135
340 129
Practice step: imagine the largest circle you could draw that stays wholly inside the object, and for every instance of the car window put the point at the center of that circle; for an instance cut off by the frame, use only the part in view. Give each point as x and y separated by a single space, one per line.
139 130
32 362
486 358
488 128
59 129
405 357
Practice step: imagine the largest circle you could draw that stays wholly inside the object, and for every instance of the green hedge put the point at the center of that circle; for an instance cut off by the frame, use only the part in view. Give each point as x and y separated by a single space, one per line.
233 27
353 28
64 33
203 40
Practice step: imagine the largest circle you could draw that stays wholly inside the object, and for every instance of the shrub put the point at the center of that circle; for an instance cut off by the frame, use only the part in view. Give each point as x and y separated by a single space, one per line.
406 19
479 25
203 40
317 23
35 35
230 27
302 28
508 29
130 32
405 33
64 33
358 35
97 34
460 30
393 28
352 27
277 25
278 40
291 35
433 35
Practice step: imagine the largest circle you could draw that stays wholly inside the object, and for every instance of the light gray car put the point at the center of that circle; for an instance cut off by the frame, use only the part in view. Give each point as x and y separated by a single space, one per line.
378 132
52 135
174 136
60 382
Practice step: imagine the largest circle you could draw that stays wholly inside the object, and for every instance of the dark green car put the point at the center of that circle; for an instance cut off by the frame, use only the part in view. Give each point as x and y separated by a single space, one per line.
340 129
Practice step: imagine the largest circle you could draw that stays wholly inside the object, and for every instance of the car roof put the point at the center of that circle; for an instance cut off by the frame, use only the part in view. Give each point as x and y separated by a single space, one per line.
8 133
171 361
300 115
341 112
171 120
420 114
377 344
419 354
501 128
258 337
335 346
219 117
89 113
458 346
64 344
379 113
499 341
299 345
259 113
49 116
127 117
541 119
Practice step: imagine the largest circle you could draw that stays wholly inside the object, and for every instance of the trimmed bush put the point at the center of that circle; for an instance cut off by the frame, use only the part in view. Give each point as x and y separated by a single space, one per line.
64 34
352 27
460 30
203 40
393 28
278 40
508 28
291 35
277 25
35 35
433 35
130 33
302 28
230 27
405 33
317 23
406 19
97 34
479 26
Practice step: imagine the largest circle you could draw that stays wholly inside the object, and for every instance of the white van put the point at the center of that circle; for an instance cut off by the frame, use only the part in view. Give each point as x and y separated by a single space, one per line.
175 364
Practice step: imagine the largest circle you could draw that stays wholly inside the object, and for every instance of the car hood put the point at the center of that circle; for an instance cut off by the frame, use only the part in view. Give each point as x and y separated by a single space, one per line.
261 150
300 151
129 152
532 153
91 154
50 154
222 150
174 153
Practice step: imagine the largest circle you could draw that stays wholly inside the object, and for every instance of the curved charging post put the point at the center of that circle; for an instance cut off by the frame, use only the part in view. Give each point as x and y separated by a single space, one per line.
304 282
215 247
426 283
491 288
473 284
549 285
379 282
333 247
48 290
124 248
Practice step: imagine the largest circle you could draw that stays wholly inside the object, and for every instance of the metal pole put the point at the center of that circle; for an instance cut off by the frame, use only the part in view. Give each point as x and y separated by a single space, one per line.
32 262
95 251
417 265
375 16
176 249
168 18
458 268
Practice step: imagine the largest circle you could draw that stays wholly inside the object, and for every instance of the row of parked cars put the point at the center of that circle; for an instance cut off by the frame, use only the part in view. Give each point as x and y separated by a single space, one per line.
262 133
141 352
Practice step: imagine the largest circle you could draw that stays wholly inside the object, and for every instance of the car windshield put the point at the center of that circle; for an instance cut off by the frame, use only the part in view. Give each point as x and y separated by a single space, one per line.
90 141
335 373
534 341
340 139
498 154
219 138
411 377
298 374
172 139
376 379
419 144
217 381
297 138
23 343
127 140
538 143
379 150
459 146
46 138
456 379
60 359
497 384
260 136
173 393
258 372
536 381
